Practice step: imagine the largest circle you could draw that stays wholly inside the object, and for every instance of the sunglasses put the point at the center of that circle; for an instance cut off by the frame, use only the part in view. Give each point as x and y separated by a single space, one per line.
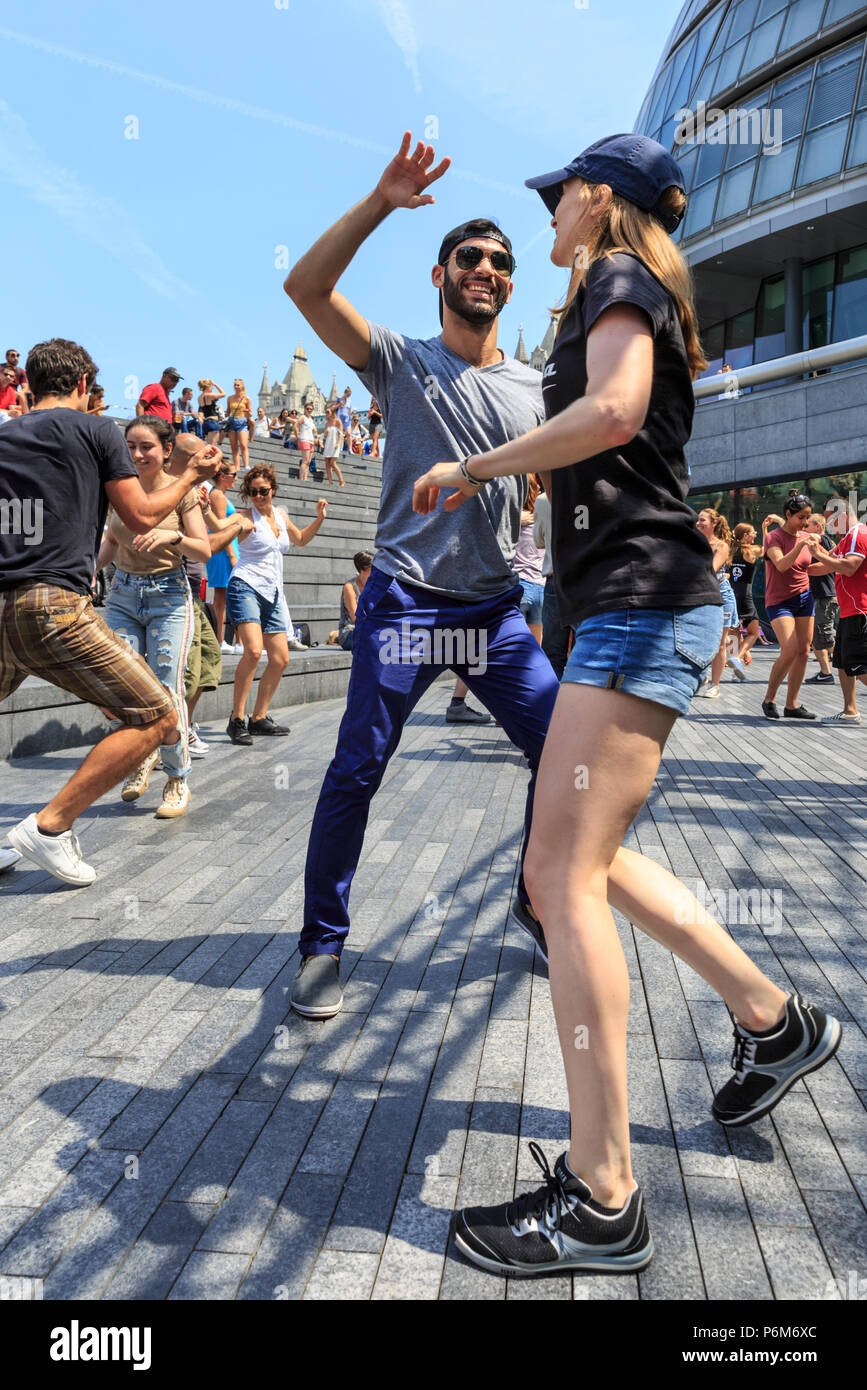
468 257
259 491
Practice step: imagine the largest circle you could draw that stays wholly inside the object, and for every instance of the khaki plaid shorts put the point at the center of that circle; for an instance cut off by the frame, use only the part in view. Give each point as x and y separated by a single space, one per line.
57 635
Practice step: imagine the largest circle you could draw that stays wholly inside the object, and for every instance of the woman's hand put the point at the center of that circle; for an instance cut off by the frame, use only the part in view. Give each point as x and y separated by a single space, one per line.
321 508
246 527
425 494
153 540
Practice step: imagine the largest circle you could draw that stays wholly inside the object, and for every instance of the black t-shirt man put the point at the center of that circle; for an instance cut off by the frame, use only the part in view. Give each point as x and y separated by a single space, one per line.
54 465
621 531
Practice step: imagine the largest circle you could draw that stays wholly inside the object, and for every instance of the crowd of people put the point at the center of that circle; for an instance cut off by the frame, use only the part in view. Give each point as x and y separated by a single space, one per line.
588 641
344 432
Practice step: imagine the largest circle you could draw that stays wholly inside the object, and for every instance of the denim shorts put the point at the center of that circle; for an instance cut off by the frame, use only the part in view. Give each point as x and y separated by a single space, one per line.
657 654
730 605
211 424
235 426
532 598
797 606
245 605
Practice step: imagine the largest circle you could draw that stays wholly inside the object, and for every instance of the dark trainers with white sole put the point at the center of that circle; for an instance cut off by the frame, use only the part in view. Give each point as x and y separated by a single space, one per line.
555 1230
316 991
523 918
768 1064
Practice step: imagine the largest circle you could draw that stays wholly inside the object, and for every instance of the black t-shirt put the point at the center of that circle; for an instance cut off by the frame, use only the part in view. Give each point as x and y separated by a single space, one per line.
822 585
622 535
53 468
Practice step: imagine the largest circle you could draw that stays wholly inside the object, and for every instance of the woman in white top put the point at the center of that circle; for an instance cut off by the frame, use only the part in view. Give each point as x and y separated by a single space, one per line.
254 599
333 444
308 436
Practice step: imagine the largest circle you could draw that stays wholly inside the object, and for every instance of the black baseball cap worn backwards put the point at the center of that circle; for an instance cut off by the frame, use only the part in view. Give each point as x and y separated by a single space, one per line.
636 167
478 227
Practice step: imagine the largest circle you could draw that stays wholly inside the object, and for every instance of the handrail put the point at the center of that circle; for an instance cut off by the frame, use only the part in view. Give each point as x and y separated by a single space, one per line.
814 360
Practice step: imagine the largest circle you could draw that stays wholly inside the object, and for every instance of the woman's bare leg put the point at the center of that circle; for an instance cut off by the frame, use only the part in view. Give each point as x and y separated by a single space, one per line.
573 860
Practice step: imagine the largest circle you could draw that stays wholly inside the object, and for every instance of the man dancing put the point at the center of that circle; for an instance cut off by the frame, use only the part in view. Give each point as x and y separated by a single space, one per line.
441 594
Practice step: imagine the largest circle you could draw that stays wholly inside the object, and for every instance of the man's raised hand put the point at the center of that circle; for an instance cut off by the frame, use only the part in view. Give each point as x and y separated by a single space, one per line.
408 176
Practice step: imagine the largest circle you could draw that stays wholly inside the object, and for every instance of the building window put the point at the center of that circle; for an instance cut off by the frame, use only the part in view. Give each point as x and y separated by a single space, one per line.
771 320
850 296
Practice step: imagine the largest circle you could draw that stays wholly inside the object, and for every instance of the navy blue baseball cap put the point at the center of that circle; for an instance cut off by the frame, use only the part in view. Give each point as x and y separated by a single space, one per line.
634 166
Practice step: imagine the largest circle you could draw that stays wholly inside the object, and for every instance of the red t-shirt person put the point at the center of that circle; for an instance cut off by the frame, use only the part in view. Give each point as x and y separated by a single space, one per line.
156 401
852 588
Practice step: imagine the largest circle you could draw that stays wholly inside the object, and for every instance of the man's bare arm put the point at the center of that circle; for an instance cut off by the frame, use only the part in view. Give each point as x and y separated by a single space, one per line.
311 283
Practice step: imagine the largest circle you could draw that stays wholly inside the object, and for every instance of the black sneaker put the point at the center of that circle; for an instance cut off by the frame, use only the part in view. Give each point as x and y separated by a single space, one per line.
462 713
769 710
316 990
799 713
237 731
823 678
767 1064
523 918
556 1229
267 726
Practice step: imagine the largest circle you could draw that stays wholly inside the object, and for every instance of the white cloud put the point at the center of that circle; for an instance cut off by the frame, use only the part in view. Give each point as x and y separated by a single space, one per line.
398 21
244 108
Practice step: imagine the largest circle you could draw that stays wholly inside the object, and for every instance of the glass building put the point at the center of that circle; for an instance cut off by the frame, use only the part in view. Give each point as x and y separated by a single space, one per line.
776 229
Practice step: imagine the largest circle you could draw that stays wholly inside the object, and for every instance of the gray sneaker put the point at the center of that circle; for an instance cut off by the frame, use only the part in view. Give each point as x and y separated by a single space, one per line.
465 714
316 991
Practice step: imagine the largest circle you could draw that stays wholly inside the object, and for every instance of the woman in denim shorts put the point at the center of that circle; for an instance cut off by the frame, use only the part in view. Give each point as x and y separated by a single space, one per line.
715 530
528 565
254 600
636 577
150 605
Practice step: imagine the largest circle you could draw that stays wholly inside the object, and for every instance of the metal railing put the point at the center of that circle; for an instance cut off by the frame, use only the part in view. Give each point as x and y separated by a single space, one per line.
730 384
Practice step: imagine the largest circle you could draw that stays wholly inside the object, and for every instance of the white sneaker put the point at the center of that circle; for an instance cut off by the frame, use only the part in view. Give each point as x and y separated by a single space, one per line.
227 649
711 693
738 667
59 854
176 799
8 858
136 783
238 650
197 747
296 646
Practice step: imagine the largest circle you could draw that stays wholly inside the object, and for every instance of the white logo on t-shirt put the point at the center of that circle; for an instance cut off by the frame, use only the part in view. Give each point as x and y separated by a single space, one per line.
550 370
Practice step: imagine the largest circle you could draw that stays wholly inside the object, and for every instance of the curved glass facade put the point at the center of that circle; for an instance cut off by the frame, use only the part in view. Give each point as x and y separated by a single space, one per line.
814 126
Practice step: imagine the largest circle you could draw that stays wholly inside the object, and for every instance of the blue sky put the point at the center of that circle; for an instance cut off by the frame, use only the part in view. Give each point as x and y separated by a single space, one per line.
257 126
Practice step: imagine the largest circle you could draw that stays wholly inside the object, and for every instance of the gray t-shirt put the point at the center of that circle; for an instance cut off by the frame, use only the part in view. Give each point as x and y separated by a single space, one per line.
436 408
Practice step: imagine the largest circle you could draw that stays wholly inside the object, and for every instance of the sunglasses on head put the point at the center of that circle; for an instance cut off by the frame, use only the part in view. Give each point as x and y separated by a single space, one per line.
468 257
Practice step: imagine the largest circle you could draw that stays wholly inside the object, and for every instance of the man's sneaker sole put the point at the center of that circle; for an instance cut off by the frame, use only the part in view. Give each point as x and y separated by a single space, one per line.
527 926
312 1011
826 1047
591 1262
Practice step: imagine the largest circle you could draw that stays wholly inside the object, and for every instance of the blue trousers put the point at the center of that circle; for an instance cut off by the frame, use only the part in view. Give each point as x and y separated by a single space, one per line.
487 644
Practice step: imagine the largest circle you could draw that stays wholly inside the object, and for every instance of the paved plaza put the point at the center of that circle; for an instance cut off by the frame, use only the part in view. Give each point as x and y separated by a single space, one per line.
169 1129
